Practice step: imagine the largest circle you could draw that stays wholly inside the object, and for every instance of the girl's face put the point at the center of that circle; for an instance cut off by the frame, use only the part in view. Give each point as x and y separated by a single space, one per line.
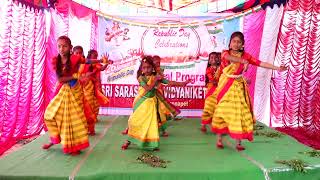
64 47
157 62
93 56
214 59
146 68
236 44
78 52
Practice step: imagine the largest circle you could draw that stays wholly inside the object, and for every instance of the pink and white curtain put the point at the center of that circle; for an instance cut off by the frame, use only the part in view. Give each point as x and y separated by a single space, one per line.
22 62
72 20
26 49
295 95
267 45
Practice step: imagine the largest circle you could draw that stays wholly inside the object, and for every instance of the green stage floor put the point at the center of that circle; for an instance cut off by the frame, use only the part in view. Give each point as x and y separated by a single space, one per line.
192 154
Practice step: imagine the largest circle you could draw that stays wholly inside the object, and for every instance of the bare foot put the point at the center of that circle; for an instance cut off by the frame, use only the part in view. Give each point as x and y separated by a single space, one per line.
165 134
125 145
75 153
219 144
47 146
203 128
124 132
239 147
92 133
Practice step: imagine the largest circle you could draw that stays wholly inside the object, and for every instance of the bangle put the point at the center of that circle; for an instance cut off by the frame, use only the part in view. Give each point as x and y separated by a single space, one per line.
243 61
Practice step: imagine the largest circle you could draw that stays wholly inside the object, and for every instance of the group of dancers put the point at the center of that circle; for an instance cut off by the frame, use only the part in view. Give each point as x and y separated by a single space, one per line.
72 113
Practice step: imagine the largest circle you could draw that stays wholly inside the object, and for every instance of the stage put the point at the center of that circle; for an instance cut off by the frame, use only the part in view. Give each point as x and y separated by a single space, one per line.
193 156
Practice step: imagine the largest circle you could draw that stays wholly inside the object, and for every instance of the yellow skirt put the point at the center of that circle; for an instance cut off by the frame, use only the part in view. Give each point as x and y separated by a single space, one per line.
143 125
90 104
65 119
233 113
209 108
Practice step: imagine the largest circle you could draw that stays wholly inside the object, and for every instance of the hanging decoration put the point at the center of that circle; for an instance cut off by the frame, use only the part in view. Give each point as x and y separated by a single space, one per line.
176 25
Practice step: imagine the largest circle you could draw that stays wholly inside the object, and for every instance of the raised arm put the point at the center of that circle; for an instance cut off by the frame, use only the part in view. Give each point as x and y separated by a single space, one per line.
271 66
235 59
248 59
259 63
149 87
225 55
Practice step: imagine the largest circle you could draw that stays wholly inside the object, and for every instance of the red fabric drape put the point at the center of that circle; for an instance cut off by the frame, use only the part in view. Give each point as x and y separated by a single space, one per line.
22 55
295 97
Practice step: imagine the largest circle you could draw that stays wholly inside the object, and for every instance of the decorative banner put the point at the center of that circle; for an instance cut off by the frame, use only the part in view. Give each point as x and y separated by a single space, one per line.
183 51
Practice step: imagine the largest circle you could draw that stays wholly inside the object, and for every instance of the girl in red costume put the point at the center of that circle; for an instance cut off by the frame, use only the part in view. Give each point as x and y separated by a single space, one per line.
93 96
212 78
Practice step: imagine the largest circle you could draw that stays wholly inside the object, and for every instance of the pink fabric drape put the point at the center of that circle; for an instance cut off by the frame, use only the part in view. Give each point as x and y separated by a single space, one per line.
22 55
60 18
295 94
252 30
271 29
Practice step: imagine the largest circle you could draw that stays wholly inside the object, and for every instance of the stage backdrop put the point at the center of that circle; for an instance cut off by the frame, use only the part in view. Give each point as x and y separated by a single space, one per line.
182 47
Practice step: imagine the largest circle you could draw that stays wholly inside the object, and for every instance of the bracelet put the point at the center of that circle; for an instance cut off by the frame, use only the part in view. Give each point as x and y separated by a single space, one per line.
233 76
76 75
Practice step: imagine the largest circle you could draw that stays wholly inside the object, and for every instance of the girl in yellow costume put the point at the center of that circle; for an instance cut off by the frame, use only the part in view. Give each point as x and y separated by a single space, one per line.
64 116
144 122
230 107
165 108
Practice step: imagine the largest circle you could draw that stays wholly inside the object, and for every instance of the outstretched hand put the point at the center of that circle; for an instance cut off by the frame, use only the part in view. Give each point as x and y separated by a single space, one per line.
282 68
105 59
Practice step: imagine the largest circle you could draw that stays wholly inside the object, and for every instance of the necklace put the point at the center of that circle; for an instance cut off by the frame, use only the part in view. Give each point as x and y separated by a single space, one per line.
237 54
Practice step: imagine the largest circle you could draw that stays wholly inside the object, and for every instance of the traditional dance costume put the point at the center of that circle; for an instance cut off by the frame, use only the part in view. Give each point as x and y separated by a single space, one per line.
231 105
64 116
144 122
